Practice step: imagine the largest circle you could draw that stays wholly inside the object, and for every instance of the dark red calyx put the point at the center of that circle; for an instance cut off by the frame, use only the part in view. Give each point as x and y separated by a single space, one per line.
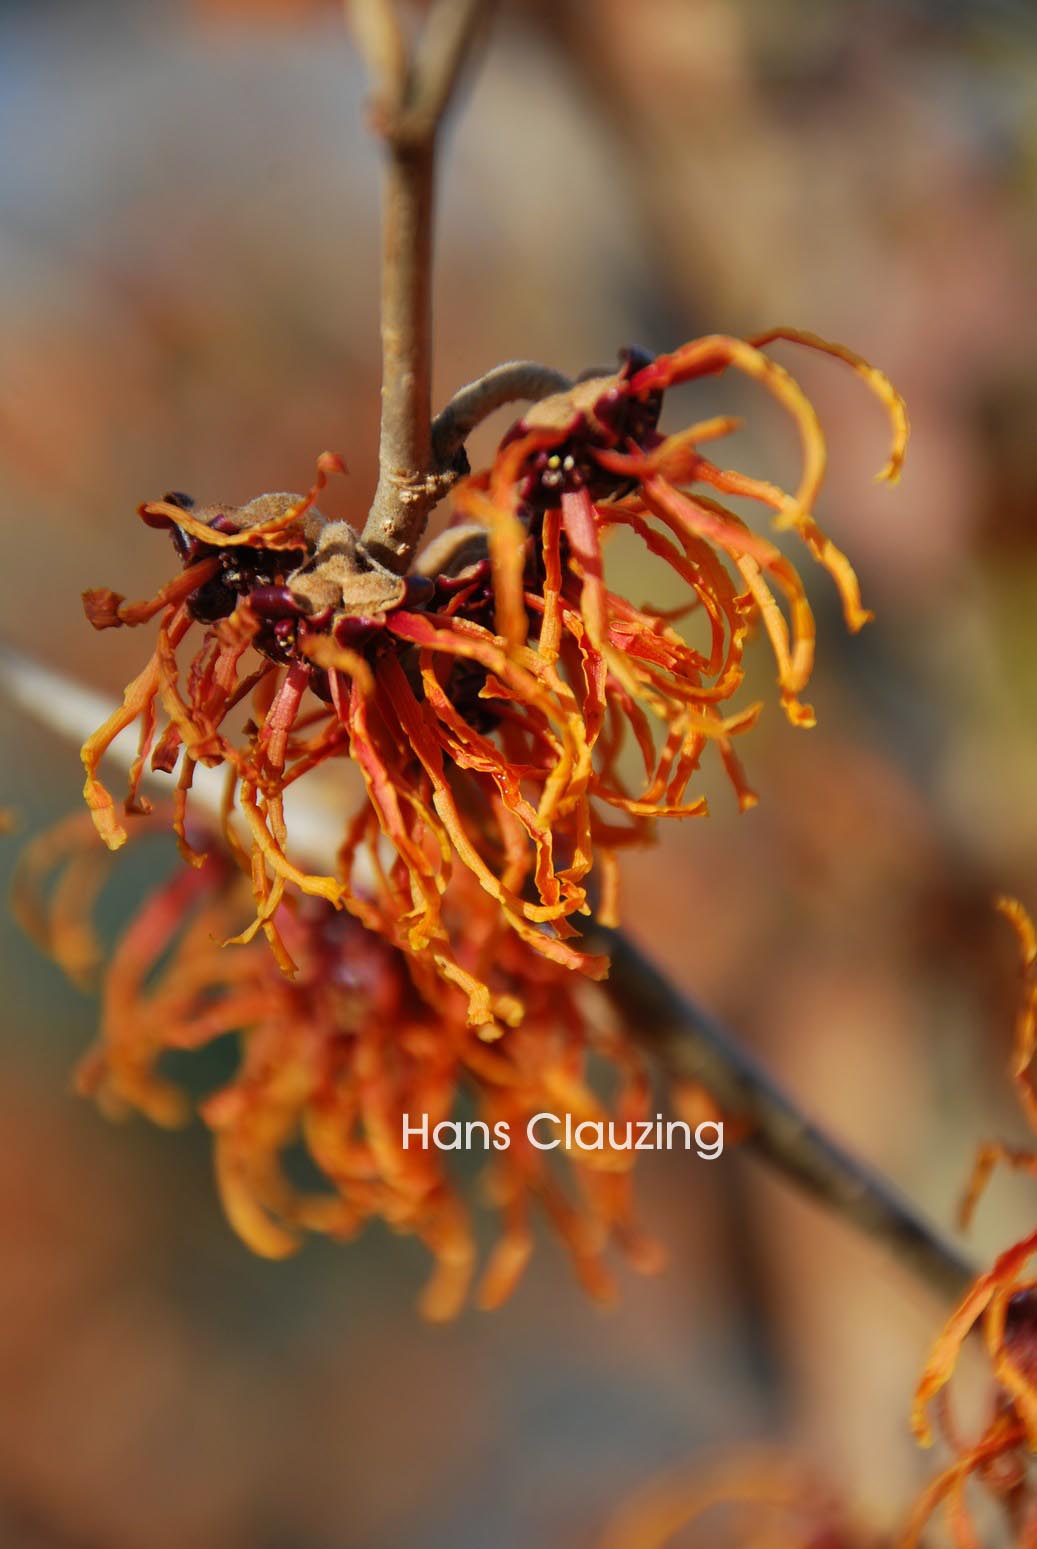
273 602
354 629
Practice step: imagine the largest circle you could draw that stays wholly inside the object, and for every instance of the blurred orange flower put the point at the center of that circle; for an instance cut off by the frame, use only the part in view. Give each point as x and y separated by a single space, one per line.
756 1497
330 1063
1002 1305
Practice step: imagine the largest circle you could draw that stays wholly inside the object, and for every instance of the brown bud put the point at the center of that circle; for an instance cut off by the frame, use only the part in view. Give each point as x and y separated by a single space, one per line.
344 577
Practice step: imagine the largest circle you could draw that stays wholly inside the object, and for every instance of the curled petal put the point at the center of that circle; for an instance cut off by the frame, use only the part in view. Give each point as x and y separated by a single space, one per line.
282 531
944 1357
877 380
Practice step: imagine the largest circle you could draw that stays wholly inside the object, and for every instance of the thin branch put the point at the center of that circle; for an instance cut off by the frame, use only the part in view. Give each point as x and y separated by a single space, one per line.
408 111
442 51
692 1046
407 484
510 382
380 42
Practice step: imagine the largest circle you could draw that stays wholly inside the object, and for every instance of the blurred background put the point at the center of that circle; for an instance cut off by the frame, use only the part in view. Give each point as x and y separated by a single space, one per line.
188 283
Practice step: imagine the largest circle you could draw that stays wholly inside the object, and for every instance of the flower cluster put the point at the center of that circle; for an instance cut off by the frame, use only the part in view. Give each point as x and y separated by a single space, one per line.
332 1059
486 697
1002 1307
499 723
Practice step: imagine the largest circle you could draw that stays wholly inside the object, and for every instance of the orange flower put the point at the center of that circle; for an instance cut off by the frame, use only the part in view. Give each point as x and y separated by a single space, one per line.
336 1057
587 462
1002 1305
335 661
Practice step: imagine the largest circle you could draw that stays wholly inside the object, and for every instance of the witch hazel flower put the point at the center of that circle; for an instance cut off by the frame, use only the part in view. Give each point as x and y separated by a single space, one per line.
487 695
337 658
585 462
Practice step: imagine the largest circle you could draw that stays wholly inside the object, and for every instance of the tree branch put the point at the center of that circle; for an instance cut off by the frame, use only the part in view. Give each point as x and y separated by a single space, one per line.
691 1046
410 103
381 44
407 484
442 50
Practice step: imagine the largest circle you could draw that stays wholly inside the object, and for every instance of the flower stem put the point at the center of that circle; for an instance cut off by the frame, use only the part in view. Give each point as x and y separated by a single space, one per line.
406 475
509 382
411 98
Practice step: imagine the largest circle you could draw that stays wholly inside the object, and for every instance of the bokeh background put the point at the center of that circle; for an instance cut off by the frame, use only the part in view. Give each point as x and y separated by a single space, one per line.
188 279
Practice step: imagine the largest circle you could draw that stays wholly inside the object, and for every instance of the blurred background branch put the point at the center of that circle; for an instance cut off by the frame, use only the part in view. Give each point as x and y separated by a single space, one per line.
692 1046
